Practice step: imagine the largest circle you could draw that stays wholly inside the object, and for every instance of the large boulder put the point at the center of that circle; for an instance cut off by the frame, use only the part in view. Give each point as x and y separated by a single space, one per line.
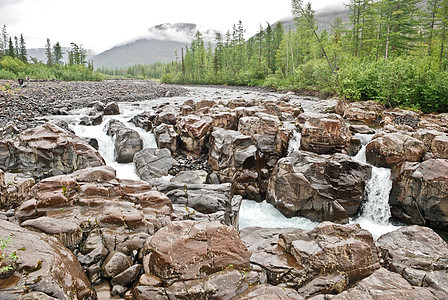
389 149
383 284
326 259
43 265
419 193
214 201
365 111
45 150
419 255
225 284
127 141
266 291
325 134
319 187
167 137
153 163
186 249
194 132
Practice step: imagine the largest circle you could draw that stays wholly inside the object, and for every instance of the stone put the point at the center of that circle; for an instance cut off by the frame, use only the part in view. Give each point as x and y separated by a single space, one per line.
68 233
332 248
144 120
439 146
111 109
149 280
167 137
389 149
17 188
318 187
204 198
401 117
279 266
325 134
419 193
127 143
191 177
266 291
127 276
417 253
167 115
115 263
194 132
46 148
363 129
153 163
42 260
211 248
383 284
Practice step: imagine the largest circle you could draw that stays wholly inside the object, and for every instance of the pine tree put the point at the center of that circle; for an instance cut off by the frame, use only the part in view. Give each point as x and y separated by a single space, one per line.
22 51
57 53
16 47
4 42
11 51
49 53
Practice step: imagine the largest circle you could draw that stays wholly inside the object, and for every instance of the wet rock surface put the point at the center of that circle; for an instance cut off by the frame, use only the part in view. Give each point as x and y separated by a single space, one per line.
419 193
419 255
43 265
319 187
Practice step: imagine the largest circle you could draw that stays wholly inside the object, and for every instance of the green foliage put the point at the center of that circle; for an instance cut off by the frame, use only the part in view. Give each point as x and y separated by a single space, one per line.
4 243
13 68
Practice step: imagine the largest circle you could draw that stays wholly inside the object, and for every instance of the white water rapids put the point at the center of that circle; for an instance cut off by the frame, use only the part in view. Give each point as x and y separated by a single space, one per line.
375 210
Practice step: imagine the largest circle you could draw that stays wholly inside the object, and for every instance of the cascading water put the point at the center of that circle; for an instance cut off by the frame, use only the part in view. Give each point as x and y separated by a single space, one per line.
106 143
375 211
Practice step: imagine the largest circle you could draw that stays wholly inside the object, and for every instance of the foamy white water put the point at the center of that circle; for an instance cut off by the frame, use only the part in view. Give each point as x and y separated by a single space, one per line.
106 143
375 211
265 215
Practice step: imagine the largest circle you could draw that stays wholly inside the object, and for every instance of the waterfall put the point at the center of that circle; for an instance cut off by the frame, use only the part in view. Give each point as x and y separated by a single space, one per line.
375 211
106 143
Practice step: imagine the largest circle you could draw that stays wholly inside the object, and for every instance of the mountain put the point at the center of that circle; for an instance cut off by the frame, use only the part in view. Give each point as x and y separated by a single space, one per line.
324 18
159 44
39 54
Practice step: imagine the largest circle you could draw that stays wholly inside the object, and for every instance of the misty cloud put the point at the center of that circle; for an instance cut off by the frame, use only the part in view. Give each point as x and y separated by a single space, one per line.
179 32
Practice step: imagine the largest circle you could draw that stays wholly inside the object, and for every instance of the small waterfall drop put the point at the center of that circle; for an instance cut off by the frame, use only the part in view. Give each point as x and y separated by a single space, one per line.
106 143
375 211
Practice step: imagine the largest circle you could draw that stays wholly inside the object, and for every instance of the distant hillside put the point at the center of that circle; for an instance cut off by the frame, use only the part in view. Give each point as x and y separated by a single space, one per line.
158 45
142 51
324 19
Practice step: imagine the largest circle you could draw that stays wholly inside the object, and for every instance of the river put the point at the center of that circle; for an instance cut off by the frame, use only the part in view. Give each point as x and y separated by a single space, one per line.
375 213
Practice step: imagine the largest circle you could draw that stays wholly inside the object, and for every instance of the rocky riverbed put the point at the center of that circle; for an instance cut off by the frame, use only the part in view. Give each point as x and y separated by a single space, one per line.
132 189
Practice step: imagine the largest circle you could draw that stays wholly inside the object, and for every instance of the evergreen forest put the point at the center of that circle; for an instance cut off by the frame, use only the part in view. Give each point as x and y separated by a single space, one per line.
392 51
16 63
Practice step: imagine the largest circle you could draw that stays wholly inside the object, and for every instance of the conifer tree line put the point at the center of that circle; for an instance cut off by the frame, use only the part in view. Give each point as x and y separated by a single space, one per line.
394 51
13 47
16 63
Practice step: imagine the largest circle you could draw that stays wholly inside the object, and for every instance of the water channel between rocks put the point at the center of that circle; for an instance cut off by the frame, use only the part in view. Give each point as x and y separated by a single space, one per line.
375 212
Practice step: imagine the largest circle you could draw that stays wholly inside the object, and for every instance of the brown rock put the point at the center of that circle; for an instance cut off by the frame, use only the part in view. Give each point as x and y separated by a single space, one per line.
325 134
319 187
418 254
115 263
265 291
46 148
186 249
383 284
389 149
52 268
419 193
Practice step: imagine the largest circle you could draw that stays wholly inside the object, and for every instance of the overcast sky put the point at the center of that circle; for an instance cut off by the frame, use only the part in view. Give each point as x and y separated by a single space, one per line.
102 24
